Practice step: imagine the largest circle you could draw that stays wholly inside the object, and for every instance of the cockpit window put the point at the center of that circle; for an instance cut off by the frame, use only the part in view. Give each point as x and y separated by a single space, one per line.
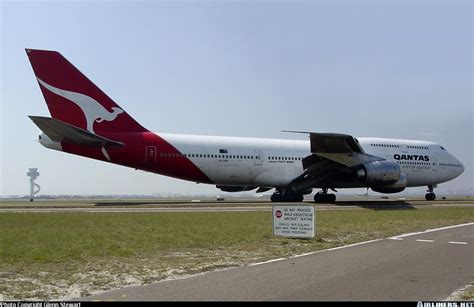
442 147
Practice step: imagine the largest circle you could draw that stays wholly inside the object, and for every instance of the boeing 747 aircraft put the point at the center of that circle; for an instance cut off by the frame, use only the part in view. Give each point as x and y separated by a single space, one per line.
86 122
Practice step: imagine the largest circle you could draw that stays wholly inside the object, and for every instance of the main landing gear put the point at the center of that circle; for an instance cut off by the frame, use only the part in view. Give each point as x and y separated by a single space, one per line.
324 197
283 196
430 195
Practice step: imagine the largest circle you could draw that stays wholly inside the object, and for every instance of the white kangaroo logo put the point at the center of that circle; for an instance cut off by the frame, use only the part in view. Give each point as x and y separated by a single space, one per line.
92 109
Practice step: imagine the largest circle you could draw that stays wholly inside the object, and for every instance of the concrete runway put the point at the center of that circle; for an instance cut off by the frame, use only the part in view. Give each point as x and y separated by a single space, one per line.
421 266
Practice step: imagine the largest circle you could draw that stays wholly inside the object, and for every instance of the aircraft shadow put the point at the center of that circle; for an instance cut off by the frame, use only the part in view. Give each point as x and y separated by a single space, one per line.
378 205
128 203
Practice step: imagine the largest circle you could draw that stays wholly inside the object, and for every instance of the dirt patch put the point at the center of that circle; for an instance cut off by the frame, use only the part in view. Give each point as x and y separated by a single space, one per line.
55 283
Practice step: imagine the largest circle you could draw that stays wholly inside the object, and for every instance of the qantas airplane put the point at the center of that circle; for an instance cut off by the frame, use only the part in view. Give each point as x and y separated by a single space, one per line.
86 122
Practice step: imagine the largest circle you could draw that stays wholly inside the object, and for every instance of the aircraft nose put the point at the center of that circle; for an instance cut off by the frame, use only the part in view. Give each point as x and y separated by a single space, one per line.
460 168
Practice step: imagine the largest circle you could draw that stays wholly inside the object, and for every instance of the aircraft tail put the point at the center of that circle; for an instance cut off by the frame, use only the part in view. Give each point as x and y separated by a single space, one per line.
73 99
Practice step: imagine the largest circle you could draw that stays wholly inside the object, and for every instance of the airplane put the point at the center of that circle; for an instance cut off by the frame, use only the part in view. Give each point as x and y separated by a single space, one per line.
86 122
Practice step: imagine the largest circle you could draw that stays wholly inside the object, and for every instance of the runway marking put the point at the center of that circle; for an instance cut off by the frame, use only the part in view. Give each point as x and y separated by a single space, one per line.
455 242
269 261
398 238
315 252
420 240
429 230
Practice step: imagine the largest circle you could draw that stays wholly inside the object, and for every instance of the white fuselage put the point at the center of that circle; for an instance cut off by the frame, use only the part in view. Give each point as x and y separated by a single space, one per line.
276 162
254 162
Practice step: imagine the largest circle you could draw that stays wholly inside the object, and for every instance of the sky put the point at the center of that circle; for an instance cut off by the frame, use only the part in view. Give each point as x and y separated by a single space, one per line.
396 69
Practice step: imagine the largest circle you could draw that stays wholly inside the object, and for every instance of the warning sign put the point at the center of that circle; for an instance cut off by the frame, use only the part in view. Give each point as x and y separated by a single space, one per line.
293 221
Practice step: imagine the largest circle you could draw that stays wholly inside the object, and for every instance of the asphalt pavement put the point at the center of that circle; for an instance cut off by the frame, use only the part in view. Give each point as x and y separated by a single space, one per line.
420 266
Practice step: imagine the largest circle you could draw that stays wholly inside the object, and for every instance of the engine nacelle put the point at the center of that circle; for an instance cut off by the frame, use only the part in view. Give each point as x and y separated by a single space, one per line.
379 173
398 186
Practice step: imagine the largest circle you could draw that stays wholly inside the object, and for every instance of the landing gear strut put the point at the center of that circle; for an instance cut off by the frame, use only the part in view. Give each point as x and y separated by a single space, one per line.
324 197
430 195
284 196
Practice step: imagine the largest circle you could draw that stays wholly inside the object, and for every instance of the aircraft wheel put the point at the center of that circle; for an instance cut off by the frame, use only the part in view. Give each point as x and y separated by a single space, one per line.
430 196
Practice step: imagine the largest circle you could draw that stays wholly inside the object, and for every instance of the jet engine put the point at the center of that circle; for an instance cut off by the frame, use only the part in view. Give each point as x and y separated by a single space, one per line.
398 186
379 173
383 176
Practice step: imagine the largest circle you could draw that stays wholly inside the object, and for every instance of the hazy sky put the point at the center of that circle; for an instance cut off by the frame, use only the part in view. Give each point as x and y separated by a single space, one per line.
400 69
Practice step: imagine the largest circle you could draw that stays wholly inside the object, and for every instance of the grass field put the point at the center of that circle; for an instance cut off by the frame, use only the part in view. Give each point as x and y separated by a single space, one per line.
66 255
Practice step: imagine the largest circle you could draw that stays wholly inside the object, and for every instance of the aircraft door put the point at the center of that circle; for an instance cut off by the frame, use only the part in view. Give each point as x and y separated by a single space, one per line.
434 164
150 156
258 158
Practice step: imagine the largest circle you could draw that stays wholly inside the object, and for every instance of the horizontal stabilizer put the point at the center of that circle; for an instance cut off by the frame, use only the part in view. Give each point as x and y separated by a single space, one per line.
59 131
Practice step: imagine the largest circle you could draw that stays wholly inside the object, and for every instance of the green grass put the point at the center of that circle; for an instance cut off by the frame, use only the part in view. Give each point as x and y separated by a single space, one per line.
60 250
468 294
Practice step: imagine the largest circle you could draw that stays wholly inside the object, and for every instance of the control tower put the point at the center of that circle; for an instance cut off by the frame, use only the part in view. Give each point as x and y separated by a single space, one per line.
33 174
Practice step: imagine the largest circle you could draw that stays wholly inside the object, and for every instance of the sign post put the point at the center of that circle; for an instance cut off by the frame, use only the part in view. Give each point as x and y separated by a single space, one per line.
293 221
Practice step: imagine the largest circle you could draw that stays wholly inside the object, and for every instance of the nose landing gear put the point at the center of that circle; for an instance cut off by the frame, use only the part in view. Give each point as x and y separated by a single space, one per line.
430 195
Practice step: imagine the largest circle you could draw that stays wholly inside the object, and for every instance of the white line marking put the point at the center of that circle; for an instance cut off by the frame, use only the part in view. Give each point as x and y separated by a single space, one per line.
454 242
269 261
316 252
429 230
340 247
399 238
366 242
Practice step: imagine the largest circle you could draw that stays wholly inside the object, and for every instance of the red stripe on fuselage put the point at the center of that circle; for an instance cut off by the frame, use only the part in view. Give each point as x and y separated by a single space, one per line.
167 160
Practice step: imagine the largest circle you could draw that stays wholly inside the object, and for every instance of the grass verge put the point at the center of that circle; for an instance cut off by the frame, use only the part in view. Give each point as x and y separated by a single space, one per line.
66 255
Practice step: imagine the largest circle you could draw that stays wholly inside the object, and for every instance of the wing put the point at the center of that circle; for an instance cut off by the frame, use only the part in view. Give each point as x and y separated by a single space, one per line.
341 148
60 131
333 161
